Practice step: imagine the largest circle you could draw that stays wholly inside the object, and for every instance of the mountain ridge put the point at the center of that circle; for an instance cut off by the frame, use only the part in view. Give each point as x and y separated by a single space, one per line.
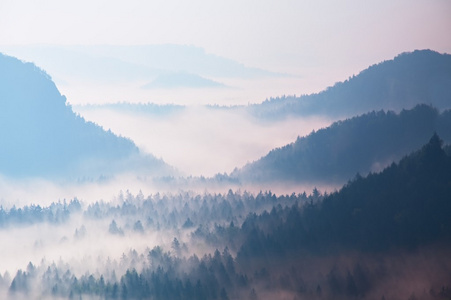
360 144
42 136
411 78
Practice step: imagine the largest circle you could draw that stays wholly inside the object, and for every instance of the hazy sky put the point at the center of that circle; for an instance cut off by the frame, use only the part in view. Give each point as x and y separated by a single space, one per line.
286 35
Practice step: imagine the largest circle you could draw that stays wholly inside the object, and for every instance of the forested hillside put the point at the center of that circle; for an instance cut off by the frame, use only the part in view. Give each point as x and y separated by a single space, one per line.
357 145
42 136
351 244
422 76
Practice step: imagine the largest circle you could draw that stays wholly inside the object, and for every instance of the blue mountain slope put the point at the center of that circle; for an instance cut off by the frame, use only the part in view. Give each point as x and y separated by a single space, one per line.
418 77
40 135
361 144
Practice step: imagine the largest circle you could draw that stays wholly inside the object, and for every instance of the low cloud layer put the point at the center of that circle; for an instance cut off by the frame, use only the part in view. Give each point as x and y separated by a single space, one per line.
203 141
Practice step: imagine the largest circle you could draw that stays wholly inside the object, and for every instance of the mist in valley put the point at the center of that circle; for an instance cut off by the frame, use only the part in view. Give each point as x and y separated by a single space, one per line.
203 140
225 150
191 212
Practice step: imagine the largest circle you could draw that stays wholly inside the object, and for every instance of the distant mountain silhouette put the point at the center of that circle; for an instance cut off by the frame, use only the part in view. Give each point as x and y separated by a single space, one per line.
41 136
422 76
362 144
181 80
102 64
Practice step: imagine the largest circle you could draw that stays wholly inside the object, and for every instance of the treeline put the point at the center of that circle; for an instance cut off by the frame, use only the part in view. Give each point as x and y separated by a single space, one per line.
186 210
57 212
183 210
220 276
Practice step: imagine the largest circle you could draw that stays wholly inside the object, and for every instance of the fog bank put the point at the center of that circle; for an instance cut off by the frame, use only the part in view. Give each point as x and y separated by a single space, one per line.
201 140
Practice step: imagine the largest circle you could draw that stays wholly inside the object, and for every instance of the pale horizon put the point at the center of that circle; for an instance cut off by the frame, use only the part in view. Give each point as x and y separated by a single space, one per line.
317 44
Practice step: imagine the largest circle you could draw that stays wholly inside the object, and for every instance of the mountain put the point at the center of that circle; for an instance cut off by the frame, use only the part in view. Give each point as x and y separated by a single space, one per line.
41 135
361 144
422 76
140 63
